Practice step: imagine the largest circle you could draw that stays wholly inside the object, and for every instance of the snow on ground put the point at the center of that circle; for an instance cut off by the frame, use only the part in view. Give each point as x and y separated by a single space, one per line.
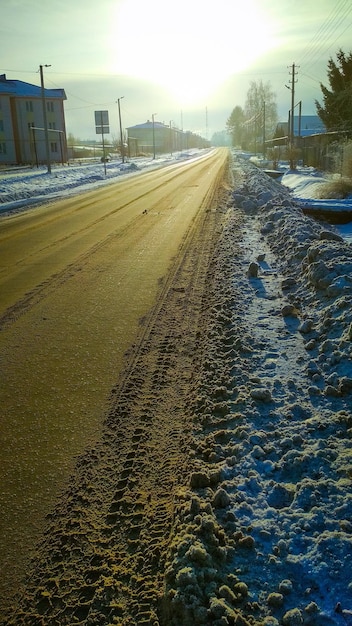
272 492
297 460
24 187
306 184
272 495
21 188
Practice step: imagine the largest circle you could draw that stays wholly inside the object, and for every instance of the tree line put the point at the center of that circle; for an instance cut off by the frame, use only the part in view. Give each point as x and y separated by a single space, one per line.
257 121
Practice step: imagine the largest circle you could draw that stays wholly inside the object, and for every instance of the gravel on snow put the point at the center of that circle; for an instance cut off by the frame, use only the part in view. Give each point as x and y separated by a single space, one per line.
265 534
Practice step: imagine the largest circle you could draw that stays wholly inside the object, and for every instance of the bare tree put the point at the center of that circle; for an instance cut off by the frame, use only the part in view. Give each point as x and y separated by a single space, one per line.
260 112
234 125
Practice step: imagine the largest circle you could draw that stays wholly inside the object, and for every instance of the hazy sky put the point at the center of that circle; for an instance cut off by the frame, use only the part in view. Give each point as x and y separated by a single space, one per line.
166 56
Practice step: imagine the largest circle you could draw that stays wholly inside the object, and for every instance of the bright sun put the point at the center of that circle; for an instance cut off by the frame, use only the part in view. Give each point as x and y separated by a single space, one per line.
188 47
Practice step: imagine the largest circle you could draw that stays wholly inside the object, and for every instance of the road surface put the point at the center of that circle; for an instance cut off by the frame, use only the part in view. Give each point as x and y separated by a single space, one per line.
76 279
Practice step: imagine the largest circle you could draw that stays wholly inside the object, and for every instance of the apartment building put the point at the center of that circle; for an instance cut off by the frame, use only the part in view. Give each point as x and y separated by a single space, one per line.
22 132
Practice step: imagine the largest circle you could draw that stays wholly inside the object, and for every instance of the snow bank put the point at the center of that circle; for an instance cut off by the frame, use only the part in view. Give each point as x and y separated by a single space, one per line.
306 182
264 535
307 185
21 188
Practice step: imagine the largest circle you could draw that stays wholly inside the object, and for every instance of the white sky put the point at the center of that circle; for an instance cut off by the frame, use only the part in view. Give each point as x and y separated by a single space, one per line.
168 56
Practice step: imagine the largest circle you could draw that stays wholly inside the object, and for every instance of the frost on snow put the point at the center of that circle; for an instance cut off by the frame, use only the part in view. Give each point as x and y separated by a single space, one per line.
265 534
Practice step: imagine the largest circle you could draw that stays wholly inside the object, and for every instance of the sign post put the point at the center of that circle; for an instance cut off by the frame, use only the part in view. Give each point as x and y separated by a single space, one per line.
102 128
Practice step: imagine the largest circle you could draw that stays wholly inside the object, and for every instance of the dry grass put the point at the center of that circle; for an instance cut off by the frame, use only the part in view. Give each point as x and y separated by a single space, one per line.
335 189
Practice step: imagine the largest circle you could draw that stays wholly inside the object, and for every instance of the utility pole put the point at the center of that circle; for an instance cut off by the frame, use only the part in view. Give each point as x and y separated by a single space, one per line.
292 117
171 142
46 134
181 130
299 118
264 151
293 102
102 140
153 115
121 137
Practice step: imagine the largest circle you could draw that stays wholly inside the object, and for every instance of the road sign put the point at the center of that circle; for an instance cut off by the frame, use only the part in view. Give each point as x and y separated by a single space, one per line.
102 122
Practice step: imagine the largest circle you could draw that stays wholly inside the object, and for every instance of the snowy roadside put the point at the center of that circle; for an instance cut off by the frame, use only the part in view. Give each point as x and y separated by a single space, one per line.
271 502
307 184
22 188
264 535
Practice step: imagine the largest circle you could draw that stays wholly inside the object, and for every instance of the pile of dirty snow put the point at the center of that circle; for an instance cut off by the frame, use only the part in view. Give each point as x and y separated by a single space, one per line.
264 536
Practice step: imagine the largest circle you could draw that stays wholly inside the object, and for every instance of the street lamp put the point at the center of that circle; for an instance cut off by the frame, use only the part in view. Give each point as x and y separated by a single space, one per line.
153 115
46 134
121 138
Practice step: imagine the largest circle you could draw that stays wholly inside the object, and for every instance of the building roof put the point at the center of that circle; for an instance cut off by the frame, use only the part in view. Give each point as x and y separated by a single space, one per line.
20 89
310 122
309 125
148 125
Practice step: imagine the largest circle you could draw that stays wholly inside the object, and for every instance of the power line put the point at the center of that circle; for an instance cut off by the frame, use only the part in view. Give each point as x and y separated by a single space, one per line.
322 29
312 65
63 73
332 23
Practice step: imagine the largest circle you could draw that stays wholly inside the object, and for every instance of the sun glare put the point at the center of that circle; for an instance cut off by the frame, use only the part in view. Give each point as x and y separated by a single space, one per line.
188 47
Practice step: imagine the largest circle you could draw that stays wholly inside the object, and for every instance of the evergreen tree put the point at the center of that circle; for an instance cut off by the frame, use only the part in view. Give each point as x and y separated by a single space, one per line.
336 110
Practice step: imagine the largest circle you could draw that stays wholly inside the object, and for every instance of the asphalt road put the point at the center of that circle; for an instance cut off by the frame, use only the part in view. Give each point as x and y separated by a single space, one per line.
76 278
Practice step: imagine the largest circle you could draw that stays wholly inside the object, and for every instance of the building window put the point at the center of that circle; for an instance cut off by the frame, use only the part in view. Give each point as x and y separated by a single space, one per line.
50 107
1 126
29 106
2 148
52 125
53 146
